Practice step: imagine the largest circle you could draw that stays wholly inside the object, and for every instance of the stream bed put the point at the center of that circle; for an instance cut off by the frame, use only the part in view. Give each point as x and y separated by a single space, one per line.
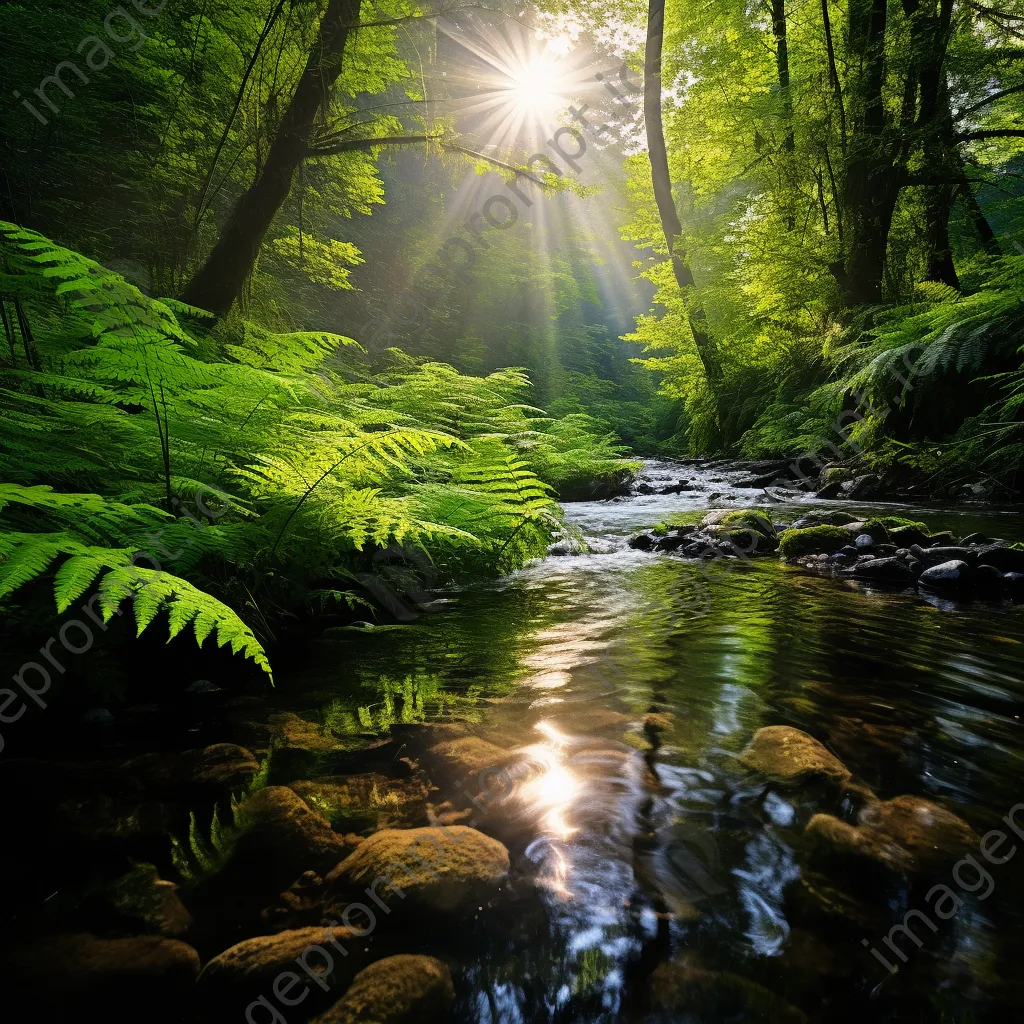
564 660
654 877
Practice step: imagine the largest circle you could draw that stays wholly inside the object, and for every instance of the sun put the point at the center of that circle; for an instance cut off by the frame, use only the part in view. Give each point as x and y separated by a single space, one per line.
537 86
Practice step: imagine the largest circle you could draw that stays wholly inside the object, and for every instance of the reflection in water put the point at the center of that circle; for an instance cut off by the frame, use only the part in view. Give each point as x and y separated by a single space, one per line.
562 663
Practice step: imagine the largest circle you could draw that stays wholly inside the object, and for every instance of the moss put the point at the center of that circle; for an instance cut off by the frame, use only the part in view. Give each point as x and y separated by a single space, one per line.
812 540
758 519
892 523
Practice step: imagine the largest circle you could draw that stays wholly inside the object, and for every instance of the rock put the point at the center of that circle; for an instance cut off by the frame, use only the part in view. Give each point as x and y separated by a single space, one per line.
945 539
287 835
1014 582
470 756
836 518
221 769
787 755
906 834
812 540
952 575
203 686
906 536
884 570
144 897
862 488
99 718
249 970
669 543
147 977
864 542
1003 558
744 518
936 556
681 986
989 579
294 733
435 868
641 541
369 801
973 539
396 990
831 491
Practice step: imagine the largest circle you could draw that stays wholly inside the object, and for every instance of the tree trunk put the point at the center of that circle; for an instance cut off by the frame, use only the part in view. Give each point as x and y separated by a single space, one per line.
706 350
872 177
218 283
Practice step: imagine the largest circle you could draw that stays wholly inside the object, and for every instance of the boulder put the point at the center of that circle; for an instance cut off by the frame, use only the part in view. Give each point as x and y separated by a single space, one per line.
147 977
989 580
952 575
884 570
434 868
864 542
1003 558
396 990
975 539
682 987
669 543
789 756
938 555
906 536
862 488
249 970
283 832
641 541
907 834
470 756
812 540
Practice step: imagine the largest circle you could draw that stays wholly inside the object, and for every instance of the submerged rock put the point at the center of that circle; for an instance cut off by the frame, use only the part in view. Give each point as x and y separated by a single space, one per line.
907 834
440 868
683 986
396 990
787 755
147 977
250 969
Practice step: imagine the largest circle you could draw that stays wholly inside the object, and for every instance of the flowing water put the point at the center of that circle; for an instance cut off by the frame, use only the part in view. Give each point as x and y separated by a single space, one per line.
675 854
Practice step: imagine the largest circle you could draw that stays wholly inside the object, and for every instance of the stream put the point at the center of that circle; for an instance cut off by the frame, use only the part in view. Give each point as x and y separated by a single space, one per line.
676 855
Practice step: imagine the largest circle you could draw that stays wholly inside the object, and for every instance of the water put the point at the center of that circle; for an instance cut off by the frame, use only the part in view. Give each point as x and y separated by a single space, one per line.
677 856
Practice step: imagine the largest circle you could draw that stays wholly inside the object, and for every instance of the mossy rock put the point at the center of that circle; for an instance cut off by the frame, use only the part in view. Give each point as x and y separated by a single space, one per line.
436 868
812 540
788 756
396 990
881 528
755 519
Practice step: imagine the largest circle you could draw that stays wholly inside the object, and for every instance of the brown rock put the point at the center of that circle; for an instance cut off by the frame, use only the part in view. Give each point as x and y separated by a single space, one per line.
432 867
249 969
789 756
396 990
683 986
906 834
284 830
143 978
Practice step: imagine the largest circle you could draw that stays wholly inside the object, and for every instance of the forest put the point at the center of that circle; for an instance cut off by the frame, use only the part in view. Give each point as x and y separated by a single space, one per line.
397 402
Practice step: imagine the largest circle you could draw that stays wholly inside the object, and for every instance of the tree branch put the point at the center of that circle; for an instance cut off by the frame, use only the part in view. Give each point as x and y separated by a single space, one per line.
992 133
351 145
989 99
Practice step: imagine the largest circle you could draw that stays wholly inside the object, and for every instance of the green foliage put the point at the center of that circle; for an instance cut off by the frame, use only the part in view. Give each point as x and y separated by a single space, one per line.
300 466
205 852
